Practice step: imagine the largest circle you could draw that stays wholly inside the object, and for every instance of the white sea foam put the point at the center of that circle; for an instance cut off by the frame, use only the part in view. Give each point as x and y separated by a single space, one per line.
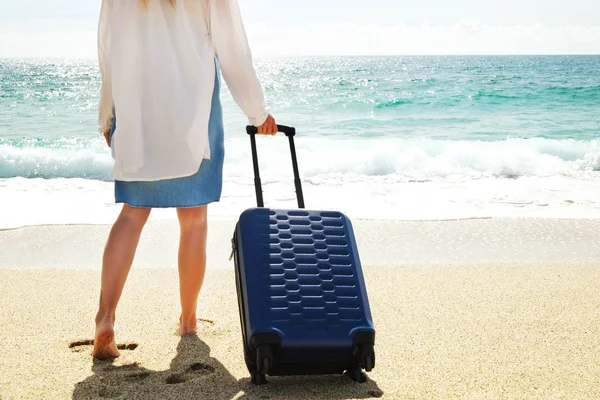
400 159
380 178
39 201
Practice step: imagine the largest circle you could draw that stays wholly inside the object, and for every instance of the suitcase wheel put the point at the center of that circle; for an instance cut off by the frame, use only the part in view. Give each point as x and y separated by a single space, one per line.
258 378
357 375
368 363
364 356
265 365
368 356
264 358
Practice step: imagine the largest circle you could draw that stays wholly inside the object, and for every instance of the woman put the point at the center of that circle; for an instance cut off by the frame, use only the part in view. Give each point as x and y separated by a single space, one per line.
160 113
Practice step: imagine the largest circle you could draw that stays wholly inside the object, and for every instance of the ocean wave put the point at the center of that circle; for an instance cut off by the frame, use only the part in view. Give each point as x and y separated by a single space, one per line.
498 95
402 159
392 103
409 160
55 158
576 92
542 94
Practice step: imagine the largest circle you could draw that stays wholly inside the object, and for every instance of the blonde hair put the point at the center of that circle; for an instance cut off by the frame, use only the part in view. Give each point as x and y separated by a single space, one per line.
145 2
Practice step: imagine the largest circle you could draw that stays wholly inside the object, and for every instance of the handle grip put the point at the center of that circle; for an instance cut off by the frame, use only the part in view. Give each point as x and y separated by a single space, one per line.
288 130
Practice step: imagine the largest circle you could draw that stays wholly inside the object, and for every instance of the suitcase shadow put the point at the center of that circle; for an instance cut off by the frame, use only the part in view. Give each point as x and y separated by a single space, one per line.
310 388
193 373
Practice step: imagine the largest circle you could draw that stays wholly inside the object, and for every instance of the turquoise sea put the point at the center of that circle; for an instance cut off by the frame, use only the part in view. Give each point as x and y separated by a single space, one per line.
379 137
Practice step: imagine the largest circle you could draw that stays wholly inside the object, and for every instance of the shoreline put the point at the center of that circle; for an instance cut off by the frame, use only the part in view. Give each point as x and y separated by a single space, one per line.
219 218
380 242
76 200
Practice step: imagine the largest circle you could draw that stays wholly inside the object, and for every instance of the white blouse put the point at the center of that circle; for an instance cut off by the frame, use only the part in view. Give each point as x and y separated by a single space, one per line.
158 71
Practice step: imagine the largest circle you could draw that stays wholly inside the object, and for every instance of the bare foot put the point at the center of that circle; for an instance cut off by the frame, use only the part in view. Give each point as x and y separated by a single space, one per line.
190 325
104 343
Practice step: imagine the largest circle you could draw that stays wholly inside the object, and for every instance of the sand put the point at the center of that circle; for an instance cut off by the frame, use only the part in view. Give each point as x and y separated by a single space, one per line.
521 326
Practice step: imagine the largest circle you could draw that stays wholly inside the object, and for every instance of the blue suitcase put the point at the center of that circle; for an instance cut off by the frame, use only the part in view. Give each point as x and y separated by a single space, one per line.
302 297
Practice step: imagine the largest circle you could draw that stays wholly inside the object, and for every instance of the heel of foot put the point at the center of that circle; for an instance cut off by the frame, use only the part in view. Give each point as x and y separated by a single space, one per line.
104 339
104 346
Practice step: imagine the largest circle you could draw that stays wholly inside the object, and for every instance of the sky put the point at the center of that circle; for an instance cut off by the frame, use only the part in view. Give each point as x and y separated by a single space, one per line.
67 28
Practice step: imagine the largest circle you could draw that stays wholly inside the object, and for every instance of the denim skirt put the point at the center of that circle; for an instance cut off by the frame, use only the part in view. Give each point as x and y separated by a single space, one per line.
202 188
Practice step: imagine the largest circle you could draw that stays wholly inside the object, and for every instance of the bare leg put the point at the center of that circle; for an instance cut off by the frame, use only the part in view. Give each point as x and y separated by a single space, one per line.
192 263
118 256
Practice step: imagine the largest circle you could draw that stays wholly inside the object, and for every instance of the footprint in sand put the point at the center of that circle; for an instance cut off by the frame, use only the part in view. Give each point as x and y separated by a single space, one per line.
194 371
136 377
130 373
125 375
86 345
109 392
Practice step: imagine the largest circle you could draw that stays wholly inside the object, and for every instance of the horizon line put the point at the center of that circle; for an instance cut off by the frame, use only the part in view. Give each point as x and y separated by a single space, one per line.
258 56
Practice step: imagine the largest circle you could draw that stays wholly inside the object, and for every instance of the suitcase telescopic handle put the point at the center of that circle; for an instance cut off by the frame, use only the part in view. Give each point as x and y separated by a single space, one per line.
290 132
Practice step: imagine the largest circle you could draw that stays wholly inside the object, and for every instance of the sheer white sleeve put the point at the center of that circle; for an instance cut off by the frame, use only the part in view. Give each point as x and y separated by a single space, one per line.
232 49
106 104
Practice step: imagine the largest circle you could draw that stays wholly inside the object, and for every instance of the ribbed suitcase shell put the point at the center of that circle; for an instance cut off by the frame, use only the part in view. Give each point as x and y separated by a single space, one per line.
301 286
